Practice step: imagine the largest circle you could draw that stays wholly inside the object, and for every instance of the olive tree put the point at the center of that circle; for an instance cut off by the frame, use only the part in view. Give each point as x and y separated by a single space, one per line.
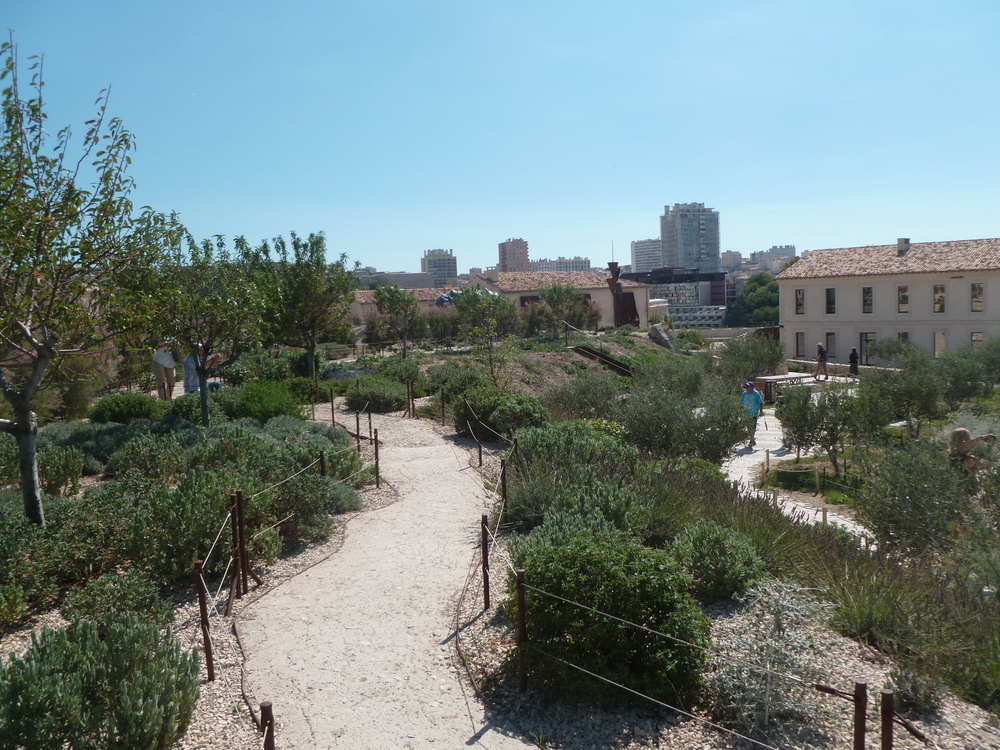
74 254
400 307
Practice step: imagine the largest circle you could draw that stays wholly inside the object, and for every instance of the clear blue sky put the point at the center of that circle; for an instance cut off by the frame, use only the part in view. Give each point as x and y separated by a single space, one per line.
396 127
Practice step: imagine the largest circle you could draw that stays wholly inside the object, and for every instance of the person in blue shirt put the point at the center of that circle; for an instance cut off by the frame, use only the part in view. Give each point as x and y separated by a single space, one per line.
752 401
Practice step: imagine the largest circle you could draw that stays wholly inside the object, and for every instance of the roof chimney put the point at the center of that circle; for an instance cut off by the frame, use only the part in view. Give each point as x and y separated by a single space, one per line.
902 245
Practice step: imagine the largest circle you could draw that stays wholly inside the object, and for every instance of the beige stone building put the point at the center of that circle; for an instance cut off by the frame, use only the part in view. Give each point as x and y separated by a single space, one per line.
524 288
940 296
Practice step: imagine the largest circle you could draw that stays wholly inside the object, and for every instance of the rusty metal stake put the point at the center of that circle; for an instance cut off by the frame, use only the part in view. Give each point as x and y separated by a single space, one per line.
522 634
376 460
267 724
199 569
860 714
322 463
888 711
484 528
503 486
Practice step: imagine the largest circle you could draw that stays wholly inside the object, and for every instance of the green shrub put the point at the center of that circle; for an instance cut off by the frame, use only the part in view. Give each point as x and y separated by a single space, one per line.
490 413
775 633
9 471
377 393
101 600
125 408
593 394
188 408
559 529
624 579
454 379
25 584
404 371
133 688
342 498
306 391
269 367
157 457
59 469
722 562
265 400
916 693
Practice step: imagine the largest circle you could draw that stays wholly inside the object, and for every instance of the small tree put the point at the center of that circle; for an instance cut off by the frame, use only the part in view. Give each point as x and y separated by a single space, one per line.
488 320
400 307
747 357
314 297
73 258
798 417
209 299
569 305
833 417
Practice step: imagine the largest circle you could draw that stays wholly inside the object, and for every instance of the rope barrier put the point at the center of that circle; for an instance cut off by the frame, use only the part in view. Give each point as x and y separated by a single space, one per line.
286 479
222 528
654 700
272 526
705 649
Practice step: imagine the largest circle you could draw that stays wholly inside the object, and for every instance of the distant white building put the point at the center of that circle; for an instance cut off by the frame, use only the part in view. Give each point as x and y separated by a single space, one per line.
560 264
441 265
730 260
646 255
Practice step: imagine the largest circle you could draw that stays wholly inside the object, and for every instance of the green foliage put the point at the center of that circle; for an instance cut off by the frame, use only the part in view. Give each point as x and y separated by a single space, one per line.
797 415
454 379
25 585
758 305
963 375
378 394
188 407
494 414
620 577
125 408
568 305
691 338
775 632
683 377
559 529
404 371
911 498
132 688
103 599
154 456
722 562
400 309
263 401
749 357
593 394
916 693
8 459
60 469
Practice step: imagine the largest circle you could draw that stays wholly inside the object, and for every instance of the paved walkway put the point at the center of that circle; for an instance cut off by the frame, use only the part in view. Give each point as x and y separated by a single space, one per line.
745 466
357 651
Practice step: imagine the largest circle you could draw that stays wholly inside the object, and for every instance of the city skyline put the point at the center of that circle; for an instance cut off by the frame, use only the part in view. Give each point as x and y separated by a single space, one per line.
396 128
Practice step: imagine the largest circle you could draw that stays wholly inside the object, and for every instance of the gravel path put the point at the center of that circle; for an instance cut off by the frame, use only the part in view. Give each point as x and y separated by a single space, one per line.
357 651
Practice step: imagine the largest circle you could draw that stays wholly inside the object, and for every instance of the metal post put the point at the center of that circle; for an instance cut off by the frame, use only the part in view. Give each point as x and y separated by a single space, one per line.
199 570
816 477
442 407
369 423
479 442
767 459
860 714
376 460
888 711
267 724
522 633
322 463
244 554
357 429
333 412
824 515
235 591
484 529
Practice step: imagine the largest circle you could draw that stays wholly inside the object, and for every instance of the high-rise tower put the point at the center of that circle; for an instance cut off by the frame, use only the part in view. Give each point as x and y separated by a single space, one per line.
513 255
440 264
689 233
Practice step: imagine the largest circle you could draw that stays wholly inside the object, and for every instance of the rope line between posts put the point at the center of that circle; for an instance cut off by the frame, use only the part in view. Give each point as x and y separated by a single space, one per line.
222 582
225 680
482 423
653 700
286 479
706 649
272 526
222 528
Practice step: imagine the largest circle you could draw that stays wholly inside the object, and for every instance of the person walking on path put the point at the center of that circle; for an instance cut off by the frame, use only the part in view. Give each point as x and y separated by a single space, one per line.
752 401
852 360
163 369
821 359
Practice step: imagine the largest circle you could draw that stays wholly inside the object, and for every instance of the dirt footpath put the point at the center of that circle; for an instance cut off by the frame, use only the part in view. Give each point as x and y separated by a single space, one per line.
357 651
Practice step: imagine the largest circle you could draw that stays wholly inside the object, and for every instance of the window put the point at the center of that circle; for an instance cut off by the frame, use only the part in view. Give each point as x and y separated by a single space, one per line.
864 341
831 345
939 344
902 299
977 338
831 301
866 299
800 344
800 301
904 337
978 302
939 298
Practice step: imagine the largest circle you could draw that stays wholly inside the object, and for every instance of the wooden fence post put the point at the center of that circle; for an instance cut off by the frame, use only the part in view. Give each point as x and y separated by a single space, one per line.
442 408
767 460
244 555
522 633
357 429
369 422
267 724
860 714
479 442
235 591
376 460
199 569
333 412
484 529
816 477
322 463
888 711
503 486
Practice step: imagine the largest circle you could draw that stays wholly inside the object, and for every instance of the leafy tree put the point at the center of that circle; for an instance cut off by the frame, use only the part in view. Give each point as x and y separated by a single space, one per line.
797 415
400 308
963 374
915 390
489 320
209 300
988 353
832 420
73 253
747 357
758 305
569 305
314 297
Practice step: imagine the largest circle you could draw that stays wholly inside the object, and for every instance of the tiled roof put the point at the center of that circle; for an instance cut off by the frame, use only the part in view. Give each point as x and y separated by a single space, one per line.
531 281
883 260
367 296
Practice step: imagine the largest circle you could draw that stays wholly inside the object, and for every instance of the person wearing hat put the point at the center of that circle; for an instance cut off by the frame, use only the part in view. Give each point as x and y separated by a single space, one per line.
752 401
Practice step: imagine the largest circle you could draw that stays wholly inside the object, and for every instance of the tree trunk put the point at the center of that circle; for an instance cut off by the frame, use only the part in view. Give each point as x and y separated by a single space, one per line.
203 393
26 434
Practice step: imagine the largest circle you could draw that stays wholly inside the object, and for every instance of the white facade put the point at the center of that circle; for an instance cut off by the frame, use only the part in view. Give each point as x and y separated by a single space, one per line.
689 234
560 264
646 255
939 296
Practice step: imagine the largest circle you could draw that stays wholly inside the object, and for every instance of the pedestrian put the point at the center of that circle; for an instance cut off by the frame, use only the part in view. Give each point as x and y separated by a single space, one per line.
163 369
960 447
191 381
821 360
752 401
852 360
